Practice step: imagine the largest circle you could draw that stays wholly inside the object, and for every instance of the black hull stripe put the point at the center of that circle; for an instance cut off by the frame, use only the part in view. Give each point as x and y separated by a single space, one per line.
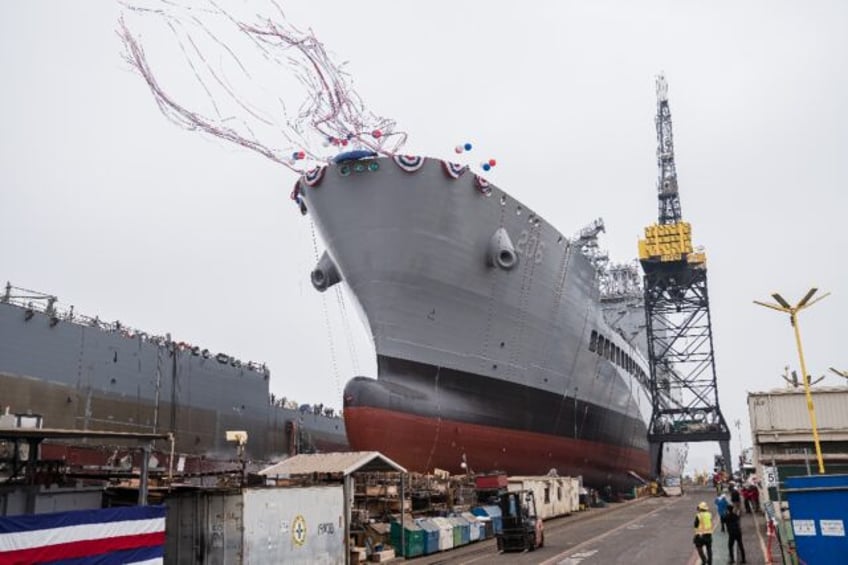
438 392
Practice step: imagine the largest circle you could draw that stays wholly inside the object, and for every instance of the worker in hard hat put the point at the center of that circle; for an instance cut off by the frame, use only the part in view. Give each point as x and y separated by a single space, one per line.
704 534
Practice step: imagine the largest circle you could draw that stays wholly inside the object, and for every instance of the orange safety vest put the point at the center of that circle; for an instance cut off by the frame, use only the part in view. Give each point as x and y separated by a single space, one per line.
705 523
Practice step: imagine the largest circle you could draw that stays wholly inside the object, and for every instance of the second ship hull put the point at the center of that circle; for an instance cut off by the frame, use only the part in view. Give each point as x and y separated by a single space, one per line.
79 373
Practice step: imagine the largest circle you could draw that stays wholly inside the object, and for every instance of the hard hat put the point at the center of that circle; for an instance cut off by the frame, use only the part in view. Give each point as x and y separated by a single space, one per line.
703 506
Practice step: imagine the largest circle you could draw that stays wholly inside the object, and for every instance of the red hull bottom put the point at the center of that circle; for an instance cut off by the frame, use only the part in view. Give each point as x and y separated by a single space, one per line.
421 444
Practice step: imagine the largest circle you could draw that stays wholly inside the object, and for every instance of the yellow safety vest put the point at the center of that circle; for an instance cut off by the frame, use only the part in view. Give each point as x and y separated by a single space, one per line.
705 523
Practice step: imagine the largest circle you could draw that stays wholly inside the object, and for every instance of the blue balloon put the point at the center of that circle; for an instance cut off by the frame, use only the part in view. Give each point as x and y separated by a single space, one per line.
486 166
468 147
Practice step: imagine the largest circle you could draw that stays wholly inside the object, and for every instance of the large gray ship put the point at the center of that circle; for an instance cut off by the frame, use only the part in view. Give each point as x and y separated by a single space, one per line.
501 343
496 347
79 372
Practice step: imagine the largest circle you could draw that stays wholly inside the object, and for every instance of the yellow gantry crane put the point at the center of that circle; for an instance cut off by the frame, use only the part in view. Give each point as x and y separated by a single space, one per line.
679 332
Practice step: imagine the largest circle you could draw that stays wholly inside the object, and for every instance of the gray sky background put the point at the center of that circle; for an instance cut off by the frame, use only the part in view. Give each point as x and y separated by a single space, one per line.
108 205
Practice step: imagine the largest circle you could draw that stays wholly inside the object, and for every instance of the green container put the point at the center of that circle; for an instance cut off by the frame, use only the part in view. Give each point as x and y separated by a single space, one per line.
457 533
413 539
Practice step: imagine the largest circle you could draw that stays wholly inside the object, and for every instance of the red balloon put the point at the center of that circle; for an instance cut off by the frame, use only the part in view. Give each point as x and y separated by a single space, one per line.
492 162
377 134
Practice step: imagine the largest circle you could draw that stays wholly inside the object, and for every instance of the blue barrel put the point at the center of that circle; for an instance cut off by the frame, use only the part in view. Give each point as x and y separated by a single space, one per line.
818 506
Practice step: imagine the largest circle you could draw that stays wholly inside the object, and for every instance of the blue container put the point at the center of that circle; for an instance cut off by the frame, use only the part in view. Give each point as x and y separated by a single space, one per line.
477 529
413 539
457 532
461 530
818 506
466 529
492 512
431 536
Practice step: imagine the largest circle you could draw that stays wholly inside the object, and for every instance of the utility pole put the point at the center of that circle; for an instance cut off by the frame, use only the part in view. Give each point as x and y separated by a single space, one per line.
738 424
783 306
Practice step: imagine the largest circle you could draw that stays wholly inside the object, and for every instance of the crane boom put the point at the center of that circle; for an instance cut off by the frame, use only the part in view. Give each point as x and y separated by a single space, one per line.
670 239
669 199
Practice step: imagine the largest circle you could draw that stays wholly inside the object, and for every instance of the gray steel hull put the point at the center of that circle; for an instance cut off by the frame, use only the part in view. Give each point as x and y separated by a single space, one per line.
79 376
416 250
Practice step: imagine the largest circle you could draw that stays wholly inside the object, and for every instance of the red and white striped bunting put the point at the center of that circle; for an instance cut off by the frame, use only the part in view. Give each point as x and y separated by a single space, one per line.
454 170
313 177
482 185
409 163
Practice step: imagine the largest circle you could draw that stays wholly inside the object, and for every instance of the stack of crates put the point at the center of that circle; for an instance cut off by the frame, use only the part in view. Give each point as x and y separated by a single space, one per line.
430 533
413 539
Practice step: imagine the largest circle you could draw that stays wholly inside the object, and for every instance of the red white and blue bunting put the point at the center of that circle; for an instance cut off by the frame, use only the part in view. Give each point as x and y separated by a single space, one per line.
409 163
314 177
482 185
298 197
454 170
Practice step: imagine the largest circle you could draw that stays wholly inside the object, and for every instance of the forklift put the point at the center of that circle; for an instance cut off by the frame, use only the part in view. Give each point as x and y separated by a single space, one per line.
522 528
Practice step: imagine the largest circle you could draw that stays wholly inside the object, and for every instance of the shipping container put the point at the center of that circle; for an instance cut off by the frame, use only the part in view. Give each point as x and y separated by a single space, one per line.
256 526
490 482
782 431
818 506
555 496
782 415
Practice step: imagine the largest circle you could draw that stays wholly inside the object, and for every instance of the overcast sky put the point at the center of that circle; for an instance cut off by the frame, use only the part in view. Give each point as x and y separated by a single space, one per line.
108 205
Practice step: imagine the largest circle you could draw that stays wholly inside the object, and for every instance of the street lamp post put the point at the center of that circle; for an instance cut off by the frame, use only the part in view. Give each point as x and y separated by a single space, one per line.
738 424
783 306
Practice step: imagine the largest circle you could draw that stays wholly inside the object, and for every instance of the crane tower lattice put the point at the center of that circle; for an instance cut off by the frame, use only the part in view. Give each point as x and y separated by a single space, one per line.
684 393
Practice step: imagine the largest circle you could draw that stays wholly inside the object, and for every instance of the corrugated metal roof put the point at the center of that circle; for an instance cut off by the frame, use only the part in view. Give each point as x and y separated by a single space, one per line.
337 463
